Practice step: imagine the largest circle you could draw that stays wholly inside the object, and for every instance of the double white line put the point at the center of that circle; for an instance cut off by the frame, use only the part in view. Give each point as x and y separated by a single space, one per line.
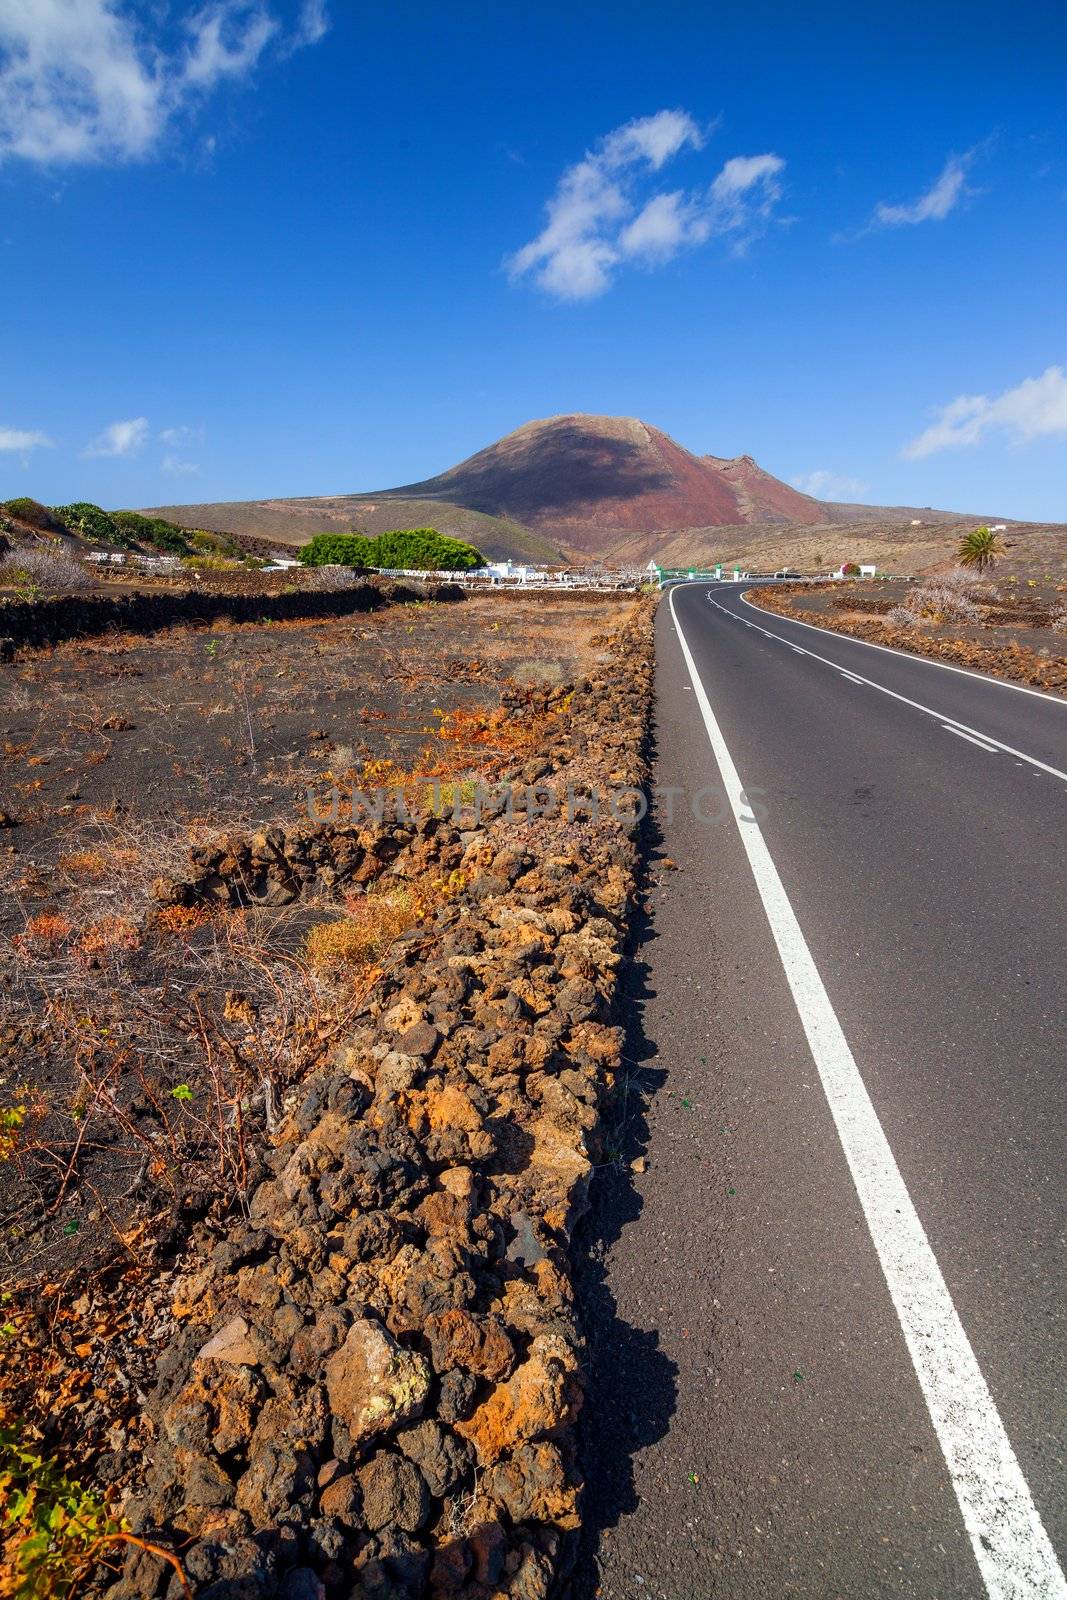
1013 1551
975 735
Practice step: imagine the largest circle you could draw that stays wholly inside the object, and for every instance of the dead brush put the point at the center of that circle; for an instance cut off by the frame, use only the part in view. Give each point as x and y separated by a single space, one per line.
942 602
371 923
188 1077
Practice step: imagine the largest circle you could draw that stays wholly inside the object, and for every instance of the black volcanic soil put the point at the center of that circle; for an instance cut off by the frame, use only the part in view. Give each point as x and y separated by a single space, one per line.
116 755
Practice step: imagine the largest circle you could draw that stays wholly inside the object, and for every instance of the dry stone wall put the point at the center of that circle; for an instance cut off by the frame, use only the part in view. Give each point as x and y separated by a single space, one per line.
375 1375
30 624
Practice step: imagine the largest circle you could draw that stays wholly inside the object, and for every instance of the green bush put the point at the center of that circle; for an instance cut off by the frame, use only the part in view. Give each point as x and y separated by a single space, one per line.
424 548
92 522
337 550
213 544
156 531
210 561
404 548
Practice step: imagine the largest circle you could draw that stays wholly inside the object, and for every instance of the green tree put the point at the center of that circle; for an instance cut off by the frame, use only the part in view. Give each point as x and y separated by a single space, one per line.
337 550
402 549
981 549
425 549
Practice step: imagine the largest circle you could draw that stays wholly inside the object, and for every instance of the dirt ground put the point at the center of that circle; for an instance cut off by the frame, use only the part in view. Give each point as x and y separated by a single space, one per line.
116 755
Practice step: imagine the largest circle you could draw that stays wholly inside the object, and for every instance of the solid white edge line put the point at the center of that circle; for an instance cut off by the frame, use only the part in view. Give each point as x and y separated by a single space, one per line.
917 705
927 661
1013 1551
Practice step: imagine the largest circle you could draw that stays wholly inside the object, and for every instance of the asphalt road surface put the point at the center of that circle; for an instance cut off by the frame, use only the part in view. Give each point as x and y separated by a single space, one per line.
828 1325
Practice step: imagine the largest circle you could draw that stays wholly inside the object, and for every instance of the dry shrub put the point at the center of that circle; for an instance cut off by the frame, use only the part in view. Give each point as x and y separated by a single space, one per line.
538 674
88 864
108 937
46 568
331 580
179 921
44 934
942 601
499 728
373 921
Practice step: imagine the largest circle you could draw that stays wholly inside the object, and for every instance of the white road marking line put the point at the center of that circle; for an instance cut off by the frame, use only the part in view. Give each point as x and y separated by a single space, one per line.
917 705
927 661
990 749
851 676
1010 1544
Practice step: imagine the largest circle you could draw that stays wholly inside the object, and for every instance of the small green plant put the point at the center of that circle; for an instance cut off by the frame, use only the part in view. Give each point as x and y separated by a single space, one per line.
52 1525
208 563
981 549
181 1091
24 584
11 1120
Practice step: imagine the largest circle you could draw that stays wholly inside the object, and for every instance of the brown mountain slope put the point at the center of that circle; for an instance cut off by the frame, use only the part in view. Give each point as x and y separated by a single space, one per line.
763 498
294 522
587 480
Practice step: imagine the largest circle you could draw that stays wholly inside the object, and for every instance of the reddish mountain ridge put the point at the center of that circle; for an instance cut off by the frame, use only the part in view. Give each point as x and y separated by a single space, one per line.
589 480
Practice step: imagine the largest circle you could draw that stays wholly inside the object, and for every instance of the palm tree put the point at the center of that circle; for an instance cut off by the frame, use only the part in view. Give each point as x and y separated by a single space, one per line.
981 549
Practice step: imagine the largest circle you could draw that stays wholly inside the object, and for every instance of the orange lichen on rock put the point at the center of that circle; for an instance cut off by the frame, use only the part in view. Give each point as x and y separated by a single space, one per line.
540 1396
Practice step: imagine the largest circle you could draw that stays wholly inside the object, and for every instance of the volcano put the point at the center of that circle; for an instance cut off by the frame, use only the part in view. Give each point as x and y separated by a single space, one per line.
587 481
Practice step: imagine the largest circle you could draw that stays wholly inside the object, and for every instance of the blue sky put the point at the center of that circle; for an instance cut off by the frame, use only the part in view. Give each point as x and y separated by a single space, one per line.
302 246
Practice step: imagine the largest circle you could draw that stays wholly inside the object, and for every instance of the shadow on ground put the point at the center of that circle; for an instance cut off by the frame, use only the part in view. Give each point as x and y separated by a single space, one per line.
631 1386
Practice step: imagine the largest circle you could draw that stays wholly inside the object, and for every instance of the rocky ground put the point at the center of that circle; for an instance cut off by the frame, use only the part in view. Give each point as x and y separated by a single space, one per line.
288 1246
1014 628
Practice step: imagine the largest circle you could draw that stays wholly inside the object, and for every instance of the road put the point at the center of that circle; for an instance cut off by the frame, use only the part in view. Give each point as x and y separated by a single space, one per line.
827 1331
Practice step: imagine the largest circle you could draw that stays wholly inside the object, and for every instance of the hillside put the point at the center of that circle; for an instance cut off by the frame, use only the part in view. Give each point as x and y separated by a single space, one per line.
293 522
1032 549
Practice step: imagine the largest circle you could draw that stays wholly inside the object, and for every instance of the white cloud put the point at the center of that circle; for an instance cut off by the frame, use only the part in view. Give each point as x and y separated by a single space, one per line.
22 439
744 195
312 24
226 39
653 139
663 227
598 218
943 196
181 435
88 80
119 439
830 485
1034 409
174 467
